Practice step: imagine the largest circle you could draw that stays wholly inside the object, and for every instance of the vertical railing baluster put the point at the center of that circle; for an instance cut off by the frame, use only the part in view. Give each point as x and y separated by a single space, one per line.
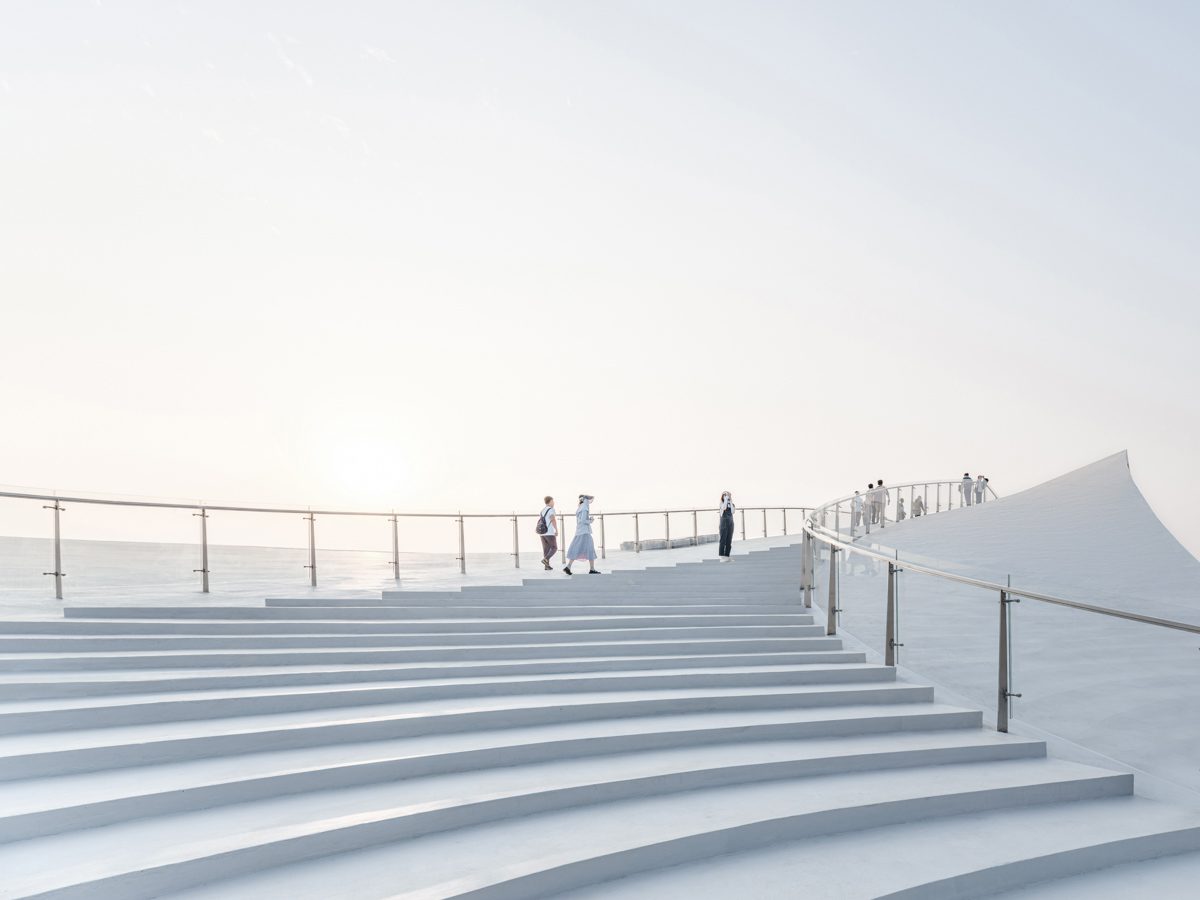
516 544
603 550
462 544
695 530
806 569
395 548
667 518
831 606
203 570
637 535
1005 692
893 600
58 573
312 549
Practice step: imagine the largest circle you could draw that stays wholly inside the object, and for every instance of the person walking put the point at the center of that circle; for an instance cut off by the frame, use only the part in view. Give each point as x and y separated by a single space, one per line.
918 506
899 509
980 489
582 545
726 527
967 489
870 503
856 510
884 497
547 529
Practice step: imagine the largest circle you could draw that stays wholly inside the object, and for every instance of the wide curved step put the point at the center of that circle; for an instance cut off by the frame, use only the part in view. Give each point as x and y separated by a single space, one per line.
29 716
970 855
531 831
555 848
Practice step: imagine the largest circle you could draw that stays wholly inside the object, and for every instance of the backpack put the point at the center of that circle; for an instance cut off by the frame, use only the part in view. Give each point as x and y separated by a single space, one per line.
542 525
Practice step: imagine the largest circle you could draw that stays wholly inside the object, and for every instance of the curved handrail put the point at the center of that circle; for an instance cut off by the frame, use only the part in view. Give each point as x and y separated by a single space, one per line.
202 510
308 510
816 531
834 538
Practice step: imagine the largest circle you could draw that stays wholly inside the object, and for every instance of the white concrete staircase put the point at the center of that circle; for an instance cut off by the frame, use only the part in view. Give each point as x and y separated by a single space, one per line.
678 731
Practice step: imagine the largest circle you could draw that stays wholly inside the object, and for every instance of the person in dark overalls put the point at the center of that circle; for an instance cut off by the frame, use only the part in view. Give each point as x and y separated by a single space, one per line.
726 526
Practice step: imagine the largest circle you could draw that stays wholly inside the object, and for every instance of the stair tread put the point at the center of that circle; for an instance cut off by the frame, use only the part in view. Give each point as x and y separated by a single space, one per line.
14 745
139 674
563 679
51 792
831 866
451 862
481 853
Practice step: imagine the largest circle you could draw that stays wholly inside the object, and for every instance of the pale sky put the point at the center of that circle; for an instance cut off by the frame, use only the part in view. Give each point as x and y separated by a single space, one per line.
449 255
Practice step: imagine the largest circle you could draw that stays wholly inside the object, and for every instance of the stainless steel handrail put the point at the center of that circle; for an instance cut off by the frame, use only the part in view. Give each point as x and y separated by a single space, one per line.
814 531
306 510
202 511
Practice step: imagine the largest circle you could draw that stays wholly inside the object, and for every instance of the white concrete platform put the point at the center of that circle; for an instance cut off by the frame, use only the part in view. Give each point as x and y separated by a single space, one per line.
673 735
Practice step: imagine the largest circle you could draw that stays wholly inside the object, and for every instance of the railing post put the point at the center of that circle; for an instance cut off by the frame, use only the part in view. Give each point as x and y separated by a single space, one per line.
811 584
831 607
764 521
1005 691
462 545
312 549
203 570
743 512
805 569
637 535
395 548
695 530
939 496
667 516
784 511
58 573
603 554
516 544
837 520
889 656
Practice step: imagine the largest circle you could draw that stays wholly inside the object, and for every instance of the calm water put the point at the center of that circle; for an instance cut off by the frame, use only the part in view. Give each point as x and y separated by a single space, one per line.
116 572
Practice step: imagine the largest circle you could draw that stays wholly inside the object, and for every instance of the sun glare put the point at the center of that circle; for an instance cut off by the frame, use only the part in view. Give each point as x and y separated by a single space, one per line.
366 474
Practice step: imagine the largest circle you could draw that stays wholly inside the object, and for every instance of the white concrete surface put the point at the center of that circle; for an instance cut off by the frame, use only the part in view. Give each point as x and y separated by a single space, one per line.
1127 691
689 730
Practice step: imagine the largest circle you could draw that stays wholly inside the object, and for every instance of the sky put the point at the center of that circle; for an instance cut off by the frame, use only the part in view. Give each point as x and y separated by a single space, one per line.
456 255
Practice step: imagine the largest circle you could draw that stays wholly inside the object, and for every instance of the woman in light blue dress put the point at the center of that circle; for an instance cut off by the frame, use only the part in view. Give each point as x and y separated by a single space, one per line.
582 545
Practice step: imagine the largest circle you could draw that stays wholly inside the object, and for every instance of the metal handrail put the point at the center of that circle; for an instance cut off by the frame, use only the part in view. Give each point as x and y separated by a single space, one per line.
305 510
201 510
834 539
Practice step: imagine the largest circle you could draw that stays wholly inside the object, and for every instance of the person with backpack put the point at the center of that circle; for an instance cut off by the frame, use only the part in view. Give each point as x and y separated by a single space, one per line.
726 530
582 545
547 529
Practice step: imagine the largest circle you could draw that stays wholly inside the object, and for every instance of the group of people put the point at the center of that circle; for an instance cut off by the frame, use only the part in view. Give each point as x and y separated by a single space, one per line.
872 506
973 490
584 547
